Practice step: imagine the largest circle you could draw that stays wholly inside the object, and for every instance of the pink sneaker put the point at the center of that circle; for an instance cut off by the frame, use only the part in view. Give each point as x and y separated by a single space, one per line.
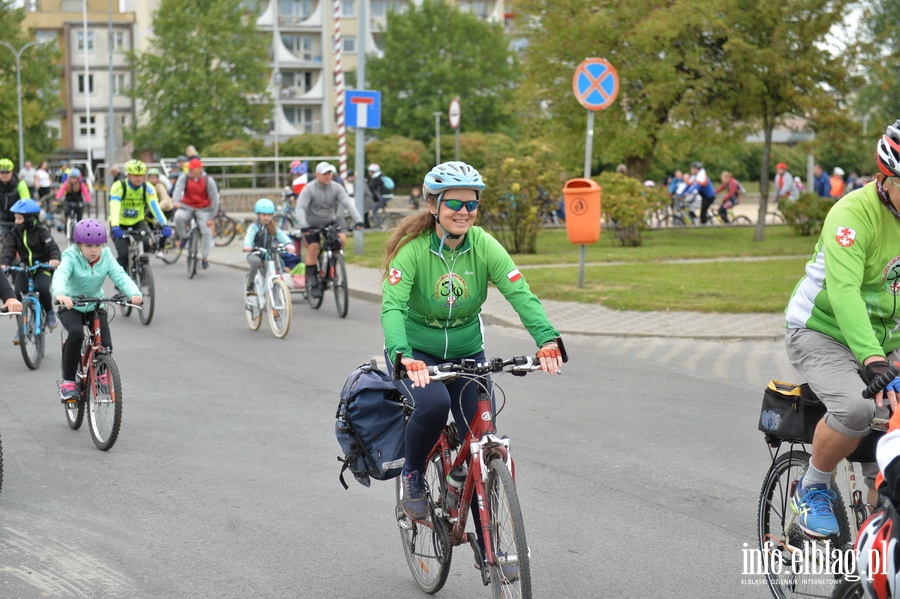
68 391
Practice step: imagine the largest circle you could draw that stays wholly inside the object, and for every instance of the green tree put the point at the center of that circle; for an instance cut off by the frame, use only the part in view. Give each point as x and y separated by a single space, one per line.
204 79
879 97
40 94
434 52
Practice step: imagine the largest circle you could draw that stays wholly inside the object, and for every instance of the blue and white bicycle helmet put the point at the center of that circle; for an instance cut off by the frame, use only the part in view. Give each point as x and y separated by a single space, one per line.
264 206
26 207
452 175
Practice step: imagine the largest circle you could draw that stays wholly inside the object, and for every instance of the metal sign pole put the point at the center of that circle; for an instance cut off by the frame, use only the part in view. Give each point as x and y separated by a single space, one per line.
588 151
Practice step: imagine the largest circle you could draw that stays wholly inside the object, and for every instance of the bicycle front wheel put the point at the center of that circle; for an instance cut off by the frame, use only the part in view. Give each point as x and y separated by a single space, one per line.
790 572
193 251
148 290
225 230
426 545
251 308
104 402
279 308
511 570
171 250
774 218
339 281
742 221
315 302
135 273
30 342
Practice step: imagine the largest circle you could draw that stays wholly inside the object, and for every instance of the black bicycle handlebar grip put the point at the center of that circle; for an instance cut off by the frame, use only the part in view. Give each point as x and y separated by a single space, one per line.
562 349
397 366
881 381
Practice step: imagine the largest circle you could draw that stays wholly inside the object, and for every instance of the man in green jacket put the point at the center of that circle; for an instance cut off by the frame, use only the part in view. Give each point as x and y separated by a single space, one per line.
843 323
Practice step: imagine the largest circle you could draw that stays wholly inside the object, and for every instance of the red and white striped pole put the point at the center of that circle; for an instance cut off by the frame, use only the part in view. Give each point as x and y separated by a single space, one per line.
339 91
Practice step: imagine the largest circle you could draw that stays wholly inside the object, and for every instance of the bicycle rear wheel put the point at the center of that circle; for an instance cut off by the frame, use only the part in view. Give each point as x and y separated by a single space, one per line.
427 545
134 273
787 574
279 308
30 342
849 589
148 290
225 230
171 250
511 574
339 281
742 221
193 251
104 402
774 218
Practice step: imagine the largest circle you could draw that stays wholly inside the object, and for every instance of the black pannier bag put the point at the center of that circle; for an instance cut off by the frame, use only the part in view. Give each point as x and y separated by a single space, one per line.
790 412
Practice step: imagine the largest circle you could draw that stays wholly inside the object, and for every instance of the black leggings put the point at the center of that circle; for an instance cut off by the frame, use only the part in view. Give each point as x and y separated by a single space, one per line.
704 209
122 243
41 285
74 321
434 403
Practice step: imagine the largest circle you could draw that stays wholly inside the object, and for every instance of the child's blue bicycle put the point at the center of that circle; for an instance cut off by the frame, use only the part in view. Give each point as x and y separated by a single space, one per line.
32 322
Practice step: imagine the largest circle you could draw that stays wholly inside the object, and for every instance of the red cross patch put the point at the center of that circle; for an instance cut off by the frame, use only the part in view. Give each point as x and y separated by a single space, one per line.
394 276
845 236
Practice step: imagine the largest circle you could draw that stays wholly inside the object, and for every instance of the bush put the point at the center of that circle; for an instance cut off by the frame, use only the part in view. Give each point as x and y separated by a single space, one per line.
404 160
518 189
807 214
624 202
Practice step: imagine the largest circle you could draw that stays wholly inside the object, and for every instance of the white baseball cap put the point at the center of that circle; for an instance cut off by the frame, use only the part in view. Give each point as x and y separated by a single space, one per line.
325 167
373 168
838 171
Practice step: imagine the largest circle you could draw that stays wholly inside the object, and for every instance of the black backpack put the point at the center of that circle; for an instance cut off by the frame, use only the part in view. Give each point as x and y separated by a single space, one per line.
371 426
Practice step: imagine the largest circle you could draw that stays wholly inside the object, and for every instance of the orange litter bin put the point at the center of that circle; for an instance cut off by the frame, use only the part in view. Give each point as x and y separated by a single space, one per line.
582 198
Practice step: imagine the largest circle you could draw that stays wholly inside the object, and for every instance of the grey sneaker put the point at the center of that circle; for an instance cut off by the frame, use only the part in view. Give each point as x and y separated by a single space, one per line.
412 495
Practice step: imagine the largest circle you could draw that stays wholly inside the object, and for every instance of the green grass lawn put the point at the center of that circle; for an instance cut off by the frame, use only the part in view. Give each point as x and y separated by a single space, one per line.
649 278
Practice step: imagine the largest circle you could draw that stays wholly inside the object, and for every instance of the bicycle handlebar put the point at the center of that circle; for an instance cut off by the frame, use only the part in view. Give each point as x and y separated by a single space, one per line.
517 365
881 381
120 299
34 267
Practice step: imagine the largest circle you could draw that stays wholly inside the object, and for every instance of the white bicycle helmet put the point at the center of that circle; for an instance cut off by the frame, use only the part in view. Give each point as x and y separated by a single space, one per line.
878 555
452 175
887 156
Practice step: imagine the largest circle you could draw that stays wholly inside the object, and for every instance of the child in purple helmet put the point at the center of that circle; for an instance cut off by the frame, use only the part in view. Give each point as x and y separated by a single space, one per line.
82 271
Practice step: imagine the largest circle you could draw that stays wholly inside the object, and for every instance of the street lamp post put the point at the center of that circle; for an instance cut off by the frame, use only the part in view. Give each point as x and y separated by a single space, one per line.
437 136
18 54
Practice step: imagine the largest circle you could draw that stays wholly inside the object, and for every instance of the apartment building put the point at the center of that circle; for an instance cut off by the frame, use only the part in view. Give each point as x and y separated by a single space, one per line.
301 55
95 71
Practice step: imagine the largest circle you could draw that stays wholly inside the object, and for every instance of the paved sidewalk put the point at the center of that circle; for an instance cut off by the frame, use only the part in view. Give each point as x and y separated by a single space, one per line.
573 317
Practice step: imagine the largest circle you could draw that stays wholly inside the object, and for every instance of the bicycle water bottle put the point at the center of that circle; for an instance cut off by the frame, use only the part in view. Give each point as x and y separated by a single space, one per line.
455 481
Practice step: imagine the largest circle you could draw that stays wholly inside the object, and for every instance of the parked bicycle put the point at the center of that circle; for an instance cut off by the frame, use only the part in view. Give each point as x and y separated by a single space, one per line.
32 321
225 229
479 466
97 380
795 563
271 295
332 271
140 272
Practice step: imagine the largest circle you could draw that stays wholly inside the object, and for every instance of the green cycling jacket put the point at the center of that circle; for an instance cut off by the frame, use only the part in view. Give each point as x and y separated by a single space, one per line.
852 284
432 296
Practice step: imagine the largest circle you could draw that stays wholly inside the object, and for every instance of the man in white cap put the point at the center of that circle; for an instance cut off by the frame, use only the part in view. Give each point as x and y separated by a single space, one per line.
837 182
317 207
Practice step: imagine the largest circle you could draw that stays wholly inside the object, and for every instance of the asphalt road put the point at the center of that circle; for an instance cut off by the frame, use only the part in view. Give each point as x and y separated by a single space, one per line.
638 468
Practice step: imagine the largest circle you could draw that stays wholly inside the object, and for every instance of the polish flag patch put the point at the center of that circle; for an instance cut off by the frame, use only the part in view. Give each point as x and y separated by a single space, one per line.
514 275
394 276
845 236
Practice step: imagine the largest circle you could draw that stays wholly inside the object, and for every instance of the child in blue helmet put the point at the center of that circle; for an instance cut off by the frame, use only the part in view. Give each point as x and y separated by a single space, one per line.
30 239
82 271
263 234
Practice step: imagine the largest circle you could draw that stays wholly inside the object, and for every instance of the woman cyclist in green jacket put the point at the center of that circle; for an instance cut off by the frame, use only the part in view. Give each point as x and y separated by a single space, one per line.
437 269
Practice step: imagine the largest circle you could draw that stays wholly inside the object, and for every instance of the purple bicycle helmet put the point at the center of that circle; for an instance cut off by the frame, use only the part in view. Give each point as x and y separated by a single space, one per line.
89 231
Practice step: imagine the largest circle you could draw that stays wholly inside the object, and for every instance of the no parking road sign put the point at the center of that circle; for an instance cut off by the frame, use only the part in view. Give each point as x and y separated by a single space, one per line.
596 84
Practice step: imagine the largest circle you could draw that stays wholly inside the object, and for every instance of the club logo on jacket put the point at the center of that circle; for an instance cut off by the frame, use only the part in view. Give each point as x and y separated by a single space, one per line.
890 276
845 236
394 276
451 288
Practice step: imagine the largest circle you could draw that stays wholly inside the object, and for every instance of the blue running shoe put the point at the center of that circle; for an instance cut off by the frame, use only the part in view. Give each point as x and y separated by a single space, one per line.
52 321
814 507
412 495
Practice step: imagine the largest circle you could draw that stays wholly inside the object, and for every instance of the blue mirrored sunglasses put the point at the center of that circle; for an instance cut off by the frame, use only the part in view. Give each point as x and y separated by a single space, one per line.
456 205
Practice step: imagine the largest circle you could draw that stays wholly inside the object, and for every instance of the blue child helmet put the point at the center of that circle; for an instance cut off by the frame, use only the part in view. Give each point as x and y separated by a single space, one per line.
264 206
26 207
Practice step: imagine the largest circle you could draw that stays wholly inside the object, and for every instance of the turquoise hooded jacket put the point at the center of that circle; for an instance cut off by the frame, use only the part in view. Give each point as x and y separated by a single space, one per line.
76 276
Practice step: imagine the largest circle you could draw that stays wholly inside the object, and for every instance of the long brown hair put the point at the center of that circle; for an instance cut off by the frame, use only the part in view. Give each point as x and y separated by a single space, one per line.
409 228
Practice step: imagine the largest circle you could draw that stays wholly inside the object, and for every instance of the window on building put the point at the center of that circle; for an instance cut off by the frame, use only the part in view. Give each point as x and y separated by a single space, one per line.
349 44
295 8
49 38
81 85
120 83
300 46
379 8
87 128
118 41
302 118
478 8
80 41
348 8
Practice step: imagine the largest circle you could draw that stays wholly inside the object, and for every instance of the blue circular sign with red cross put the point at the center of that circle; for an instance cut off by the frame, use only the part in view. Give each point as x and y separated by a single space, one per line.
596 84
